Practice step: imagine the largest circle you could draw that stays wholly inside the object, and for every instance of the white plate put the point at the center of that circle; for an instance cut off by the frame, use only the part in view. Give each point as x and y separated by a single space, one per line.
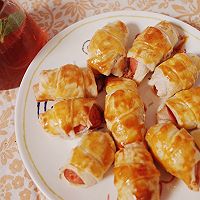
44 154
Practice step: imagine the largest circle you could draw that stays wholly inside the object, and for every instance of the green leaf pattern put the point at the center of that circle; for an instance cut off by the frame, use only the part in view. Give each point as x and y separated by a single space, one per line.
10 24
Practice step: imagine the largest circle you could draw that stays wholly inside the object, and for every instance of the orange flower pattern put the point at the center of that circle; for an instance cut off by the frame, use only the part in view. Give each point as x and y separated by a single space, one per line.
16 166
25 194
4 119
5 187
18 182
8 148
53 16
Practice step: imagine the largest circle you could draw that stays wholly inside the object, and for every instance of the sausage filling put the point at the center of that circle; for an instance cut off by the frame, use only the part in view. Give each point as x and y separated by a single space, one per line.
79 128
171 116
133 65
95 116
72 177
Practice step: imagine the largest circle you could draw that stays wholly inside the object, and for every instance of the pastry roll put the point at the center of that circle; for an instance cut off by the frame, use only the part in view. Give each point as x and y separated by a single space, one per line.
124 111
152 46
66 82
107 53
175 149
90 160
71 117
135 175
175 74
183 109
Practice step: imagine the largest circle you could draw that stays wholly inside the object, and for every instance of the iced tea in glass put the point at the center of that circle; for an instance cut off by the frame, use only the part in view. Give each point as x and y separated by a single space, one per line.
20 40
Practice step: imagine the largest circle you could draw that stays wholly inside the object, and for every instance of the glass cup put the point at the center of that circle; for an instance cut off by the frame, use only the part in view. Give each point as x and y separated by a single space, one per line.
20 40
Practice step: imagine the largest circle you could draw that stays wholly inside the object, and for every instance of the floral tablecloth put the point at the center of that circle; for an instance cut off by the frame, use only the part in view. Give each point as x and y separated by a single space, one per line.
53 16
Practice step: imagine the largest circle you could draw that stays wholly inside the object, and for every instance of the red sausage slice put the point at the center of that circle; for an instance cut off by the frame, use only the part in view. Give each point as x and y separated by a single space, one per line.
72 177
133 65
131 68
96 116
171 116
79 128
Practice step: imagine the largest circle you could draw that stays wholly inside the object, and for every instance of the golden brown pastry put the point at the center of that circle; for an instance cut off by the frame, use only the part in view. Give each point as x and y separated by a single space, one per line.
71 117
107 53
66 82
124 111
196 135
175 74
90 160
135 174
183 109
152 46
176 151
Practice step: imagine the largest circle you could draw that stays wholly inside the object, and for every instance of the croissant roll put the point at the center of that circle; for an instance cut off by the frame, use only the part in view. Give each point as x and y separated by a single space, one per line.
124 111
135 175
66 82
175 74
90 160
71 117
107 53
175 149
152 46
183 108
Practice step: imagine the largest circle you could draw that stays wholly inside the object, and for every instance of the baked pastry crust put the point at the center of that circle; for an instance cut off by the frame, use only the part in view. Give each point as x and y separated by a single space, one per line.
92 157
180 72
69 115
107 52
154 44
135 175
124 111
175 149
185 105
66 82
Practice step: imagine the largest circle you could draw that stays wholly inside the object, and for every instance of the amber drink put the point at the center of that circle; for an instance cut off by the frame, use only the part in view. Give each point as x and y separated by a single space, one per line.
20 40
